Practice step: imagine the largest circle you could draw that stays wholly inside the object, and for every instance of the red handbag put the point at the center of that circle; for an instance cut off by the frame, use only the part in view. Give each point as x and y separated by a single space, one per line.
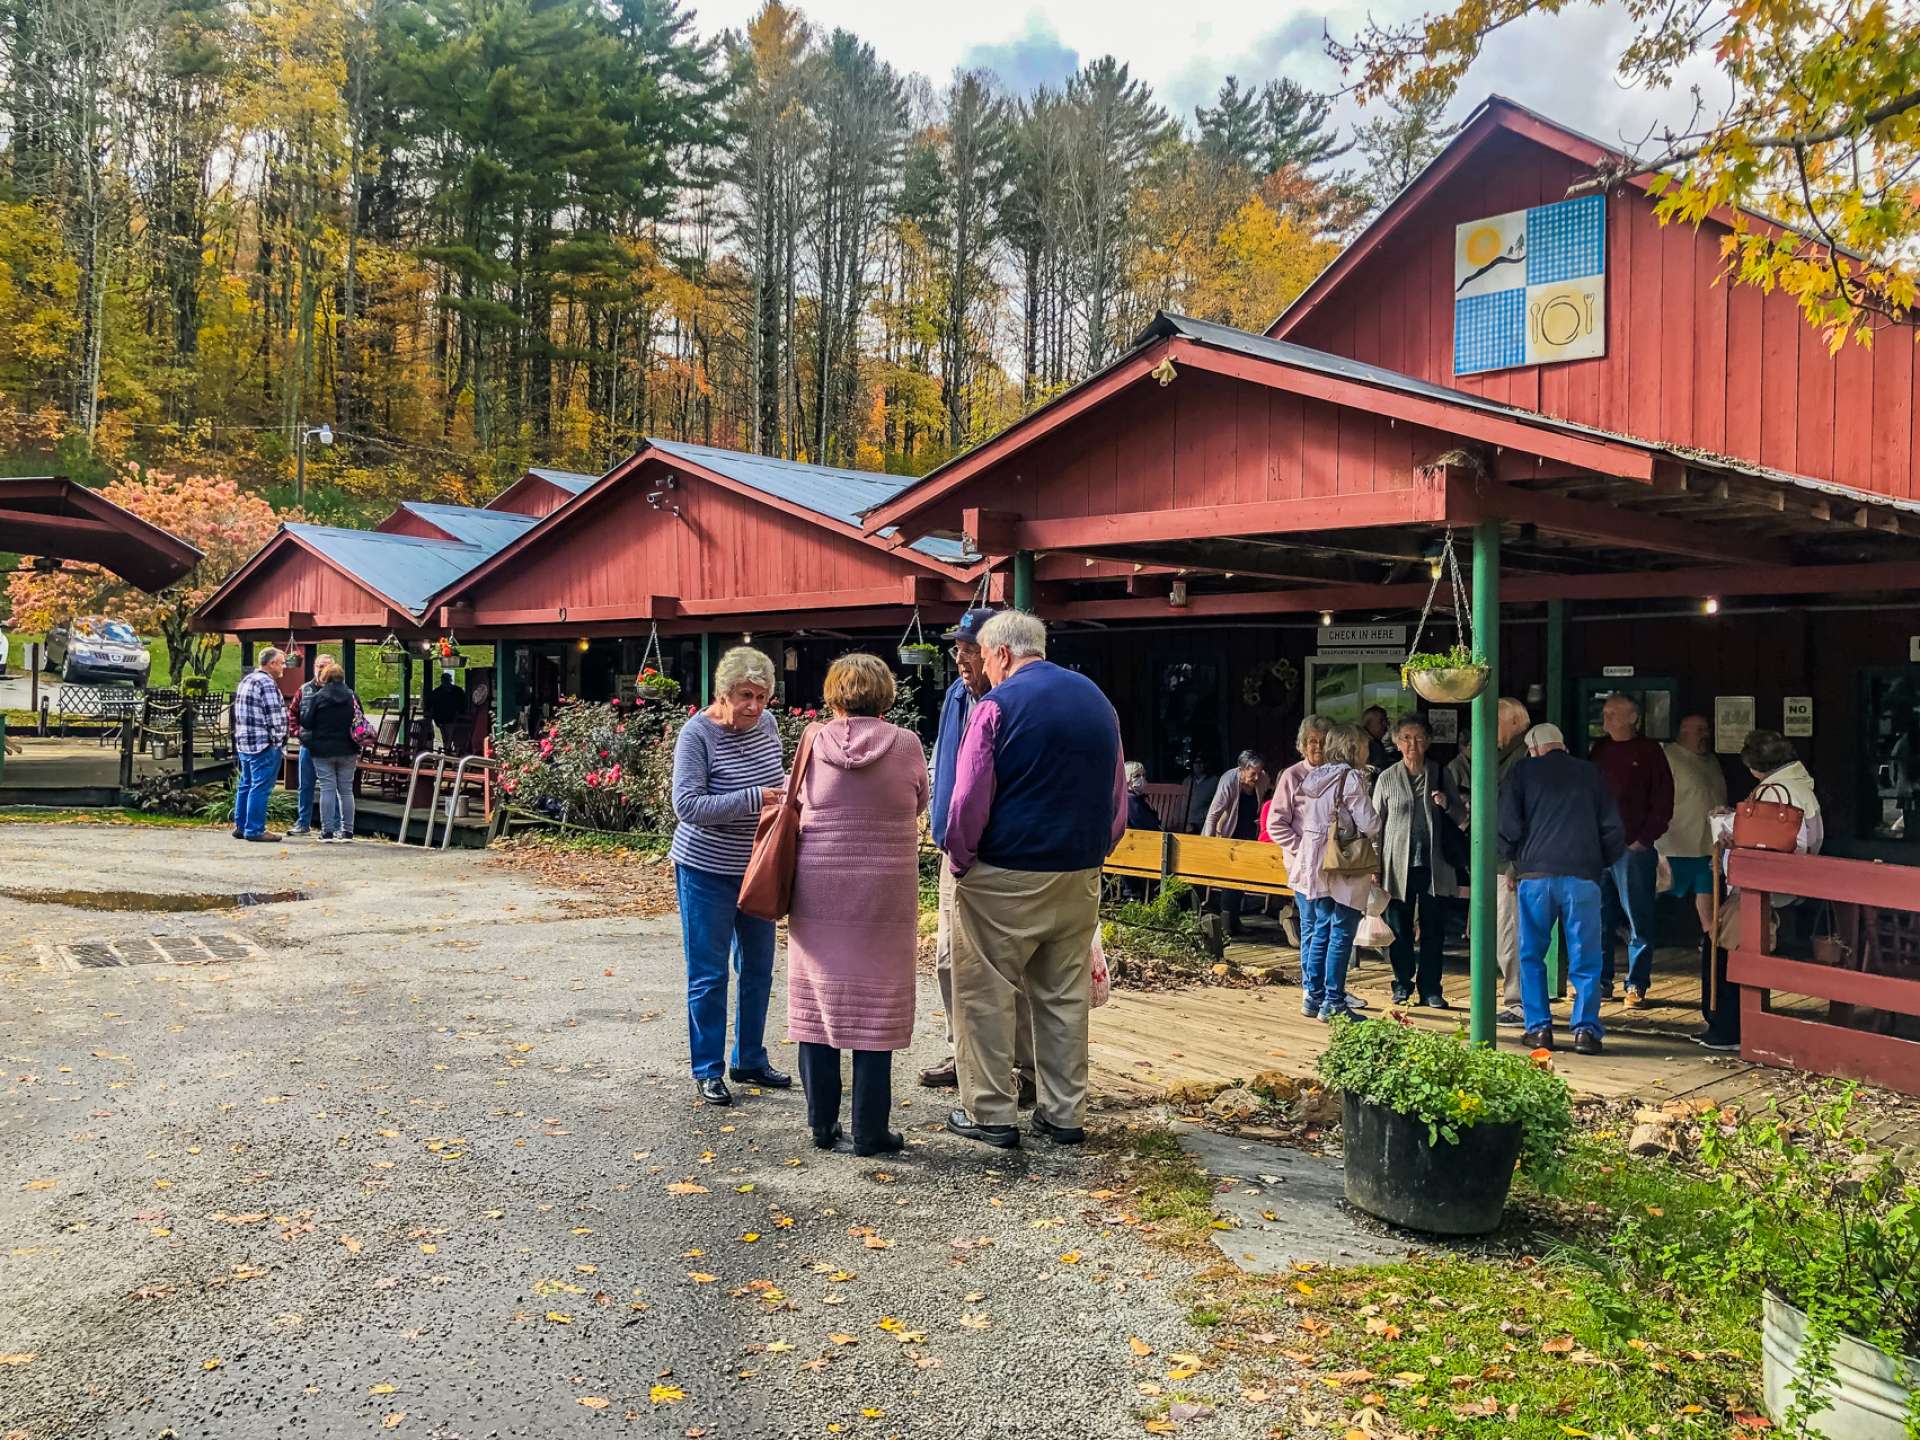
766 890
1763 824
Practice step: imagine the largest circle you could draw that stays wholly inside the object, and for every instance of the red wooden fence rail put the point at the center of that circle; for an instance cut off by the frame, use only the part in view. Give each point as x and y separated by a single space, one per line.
1798 1042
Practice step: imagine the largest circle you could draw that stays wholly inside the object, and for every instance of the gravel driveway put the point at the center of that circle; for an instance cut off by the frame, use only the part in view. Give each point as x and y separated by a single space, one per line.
427 1163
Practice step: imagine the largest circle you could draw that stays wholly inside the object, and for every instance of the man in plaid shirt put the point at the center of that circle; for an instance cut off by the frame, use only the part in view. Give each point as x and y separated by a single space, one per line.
259 736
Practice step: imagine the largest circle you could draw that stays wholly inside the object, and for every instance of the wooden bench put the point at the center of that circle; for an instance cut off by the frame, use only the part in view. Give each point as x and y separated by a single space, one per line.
1170 803
1203 861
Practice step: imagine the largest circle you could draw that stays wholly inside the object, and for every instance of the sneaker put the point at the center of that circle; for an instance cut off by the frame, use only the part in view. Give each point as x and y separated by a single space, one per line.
1435 1002
265 837
1586 1042
1541 1039
326 836
1511 1018
1401 994
1355 1002
1310 1010
1713 1040
305 830
1329 1013
1636 999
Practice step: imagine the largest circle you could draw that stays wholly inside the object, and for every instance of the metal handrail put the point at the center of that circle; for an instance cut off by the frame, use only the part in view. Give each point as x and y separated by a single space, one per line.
413 781
453 795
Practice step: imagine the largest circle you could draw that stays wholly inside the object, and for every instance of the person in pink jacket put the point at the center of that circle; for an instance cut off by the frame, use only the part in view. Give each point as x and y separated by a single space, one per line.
1330 796
853 928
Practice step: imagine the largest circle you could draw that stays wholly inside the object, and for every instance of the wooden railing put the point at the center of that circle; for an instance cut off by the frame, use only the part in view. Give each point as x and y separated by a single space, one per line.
1838 1044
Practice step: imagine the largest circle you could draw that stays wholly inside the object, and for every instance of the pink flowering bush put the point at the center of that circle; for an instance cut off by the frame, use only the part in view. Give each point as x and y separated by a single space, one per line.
607 767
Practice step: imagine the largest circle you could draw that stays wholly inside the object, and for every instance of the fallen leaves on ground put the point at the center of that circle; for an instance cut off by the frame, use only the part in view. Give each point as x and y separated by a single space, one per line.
1139 1346
685 1187
666 1395
26 1358
392 1421
594 1402
601 881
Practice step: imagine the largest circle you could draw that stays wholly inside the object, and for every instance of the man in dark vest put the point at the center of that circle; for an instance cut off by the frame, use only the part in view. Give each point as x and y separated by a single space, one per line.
1039 799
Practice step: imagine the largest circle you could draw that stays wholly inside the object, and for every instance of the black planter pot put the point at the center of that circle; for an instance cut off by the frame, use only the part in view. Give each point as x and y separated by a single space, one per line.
1393 1172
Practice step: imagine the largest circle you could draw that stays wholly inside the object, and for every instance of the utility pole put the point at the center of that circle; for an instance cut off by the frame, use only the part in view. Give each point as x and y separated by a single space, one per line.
322 432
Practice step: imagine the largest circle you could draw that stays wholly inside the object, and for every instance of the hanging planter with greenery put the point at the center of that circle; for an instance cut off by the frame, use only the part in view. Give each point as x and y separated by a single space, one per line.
918 652
1456 675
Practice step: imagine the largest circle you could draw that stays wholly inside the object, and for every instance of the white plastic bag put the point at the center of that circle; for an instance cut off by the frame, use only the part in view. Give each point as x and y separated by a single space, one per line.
1102 978
1377 899
1373 934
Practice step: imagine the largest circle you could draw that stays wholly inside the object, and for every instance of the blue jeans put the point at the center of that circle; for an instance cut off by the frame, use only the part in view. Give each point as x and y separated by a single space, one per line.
1629 890
305 822
1325 950
712 927
1576 905
258 773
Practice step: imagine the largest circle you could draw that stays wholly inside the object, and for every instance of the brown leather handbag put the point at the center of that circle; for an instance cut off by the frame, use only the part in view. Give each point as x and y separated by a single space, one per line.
1760 823
766 890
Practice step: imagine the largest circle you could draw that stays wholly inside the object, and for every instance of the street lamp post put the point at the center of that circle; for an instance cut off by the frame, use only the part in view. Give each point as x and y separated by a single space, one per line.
321 432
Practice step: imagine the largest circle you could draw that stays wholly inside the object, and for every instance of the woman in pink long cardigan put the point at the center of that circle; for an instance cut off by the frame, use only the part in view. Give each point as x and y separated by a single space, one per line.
853 928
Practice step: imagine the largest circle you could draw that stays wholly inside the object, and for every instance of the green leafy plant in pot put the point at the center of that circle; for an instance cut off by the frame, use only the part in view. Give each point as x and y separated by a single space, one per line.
918 655
1446 677
1434 1126
1828 1234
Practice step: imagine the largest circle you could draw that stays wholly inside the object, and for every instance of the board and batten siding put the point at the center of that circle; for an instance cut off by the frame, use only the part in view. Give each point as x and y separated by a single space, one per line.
1692 360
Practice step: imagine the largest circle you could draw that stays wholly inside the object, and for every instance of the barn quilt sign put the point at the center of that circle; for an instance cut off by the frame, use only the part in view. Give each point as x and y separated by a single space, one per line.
1530 286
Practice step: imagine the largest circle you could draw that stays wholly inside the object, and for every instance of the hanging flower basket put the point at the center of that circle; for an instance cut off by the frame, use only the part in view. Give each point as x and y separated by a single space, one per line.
655 686
1449 683
918 656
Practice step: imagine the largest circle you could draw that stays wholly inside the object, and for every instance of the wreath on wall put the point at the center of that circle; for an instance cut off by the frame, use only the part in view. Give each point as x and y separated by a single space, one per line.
1279 673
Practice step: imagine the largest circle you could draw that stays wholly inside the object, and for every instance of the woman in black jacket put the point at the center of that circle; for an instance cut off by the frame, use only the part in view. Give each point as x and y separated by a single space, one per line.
326 727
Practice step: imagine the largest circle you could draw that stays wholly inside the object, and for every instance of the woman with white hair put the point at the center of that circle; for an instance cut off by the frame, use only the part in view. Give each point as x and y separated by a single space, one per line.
726 763
1332 803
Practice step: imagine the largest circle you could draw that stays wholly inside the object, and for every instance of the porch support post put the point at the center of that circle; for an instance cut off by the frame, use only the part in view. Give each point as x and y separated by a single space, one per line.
1556 663
1023 580
706 669
246 653
504 707
1484 875
347 653
406 680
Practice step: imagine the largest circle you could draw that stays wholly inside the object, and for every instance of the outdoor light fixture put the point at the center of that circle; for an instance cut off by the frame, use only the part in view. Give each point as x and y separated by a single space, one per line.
1326 617
583 644
1433 568
1710 605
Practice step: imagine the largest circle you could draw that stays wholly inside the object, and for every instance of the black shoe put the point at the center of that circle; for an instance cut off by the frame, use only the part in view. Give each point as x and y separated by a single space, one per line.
1001 1137
1029 1094
714 1091
1059 1134
766 1077
1585 1042
1401 994
1541 1039
265 837
1711 1039
1435 1001
829 1139
888 1142
238 833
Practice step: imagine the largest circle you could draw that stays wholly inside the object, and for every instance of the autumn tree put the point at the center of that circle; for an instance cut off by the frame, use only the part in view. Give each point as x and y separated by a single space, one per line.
211 513
1813 121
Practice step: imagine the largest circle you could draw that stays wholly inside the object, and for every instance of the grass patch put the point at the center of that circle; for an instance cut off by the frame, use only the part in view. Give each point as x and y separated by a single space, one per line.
374 679
30 815
1578 1319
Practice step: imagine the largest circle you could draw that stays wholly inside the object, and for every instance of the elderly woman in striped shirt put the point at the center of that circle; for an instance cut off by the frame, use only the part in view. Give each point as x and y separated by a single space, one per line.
726 762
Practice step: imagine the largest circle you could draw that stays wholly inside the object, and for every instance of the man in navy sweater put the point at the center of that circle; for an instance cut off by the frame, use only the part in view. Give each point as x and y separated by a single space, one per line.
955 711
1560 830
1039 799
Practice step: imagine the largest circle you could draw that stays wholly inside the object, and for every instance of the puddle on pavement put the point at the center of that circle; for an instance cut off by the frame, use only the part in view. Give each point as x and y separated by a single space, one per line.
143 902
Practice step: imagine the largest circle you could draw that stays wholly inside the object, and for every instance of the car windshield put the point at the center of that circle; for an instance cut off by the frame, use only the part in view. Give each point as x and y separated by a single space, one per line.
116 631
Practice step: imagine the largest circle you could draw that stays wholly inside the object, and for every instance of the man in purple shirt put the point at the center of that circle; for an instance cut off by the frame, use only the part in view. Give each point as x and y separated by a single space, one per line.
1039 799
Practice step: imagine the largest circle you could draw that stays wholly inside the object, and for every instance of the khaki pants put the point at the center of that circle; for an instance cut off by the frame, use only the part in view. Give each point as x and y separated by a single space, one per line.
943 968
1509 926
1032 928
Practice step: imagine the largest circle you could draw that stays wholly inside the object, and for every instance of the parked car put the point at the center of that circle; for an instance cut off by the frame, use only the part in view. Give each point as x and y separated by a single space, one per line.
97 648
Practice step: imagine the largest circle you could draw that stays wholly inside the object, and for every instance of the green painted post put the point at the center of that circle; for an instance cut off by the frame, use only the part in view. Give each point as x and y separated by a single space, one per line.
1484 918
503 705
1023 580
706 668
347 652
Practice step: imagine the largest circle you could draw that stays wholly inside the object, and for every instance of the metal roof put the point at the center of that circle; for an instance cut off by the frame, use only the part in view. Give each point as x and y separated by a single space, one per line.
572 481
843 495
409 570
491 530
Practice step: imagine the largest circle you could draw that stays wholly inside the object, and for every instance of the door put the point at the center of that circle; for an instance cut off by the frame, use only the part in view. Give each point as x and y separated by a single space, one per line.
1889 758
1658 697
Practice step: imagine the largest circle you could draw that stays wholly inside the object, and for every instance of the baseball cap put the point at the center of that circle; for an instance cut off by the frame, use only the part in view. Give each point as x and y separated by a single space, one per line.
969 627
1544 734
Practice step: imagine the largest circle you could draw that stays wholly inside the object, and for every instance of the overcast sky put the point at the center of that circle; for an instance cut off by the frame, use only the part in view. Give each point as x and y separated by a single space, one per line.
1562 67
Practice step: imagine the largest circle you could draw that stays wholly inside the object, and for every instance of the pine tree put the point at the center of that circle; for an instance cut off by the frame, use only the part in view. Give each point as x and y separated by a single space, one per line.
1293 123
1235 132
